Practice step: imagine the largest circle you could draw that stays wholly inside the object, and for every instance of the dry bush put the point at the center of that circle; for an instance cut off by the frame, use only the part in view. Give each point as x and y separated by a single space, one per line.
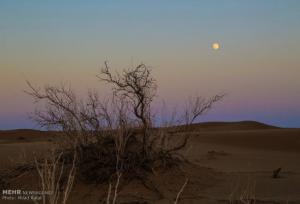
115 136
56 177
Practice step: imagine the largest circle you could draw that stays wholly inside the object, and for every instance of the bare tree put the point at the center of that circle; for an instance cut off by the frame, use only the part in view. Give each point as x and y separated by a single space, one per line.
139 87
93 124
84 120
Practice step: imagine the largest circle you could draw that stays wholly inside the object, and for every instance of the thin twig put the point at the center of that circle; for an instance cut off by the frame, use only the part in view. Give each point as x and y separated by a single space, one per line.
181 190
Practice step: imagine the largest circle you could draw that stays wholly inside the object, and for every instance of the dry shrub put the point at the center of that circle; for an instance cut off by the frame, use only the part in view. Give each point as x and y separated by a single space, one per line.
115 136
56 177
98 162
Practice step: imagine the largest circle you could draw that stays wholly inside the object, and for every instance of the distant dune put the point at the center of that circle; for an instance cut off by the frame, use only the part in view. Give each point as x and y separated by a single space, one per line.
243 134
13 131
24 134
205 126
241 125
226 126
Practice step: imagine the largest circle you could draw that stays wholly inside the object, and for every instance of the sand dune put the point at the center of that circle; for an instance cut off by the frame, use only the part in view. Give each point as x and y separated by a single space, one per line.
25 135
222 126
222 155
267 139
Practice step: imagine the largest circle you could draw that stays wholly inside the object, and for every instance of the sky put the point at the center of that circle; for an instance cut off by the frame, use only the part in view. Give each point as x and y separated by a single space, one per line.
257 65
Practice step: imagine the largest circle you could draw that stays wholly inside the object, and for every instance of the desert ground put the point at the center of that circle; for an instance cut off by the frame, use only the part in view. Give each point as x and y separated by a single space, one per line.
224 162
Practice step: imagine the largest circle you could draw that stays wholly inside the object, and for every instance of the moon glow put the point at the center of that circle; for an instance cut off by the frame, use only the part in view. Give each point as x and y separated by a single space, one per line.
215 46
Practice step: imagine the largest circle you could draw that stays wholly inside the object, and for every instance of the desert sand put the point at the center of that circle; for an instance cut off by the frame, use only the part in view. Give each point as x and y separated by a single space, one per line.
224 160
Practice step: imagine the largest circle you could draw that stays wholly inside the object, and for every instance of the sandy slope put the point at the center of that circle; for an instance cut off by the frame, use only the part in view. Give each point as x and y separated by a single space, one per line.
250 154
224 157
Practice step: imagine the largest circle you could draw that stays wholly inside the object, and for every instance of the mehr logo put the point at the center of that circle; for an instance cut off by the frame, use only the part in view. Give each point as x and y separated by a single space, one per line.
11 192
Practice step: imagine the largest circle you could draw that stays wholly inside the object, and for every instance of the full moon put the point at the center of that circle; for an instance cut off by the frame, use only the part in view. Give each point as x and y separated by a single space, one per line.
215 46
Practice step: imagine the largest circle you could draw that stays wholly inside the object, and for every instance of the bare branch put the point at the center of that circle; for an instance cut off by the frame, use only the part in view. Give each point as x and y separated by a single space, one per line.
181 190
139 87
197 106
